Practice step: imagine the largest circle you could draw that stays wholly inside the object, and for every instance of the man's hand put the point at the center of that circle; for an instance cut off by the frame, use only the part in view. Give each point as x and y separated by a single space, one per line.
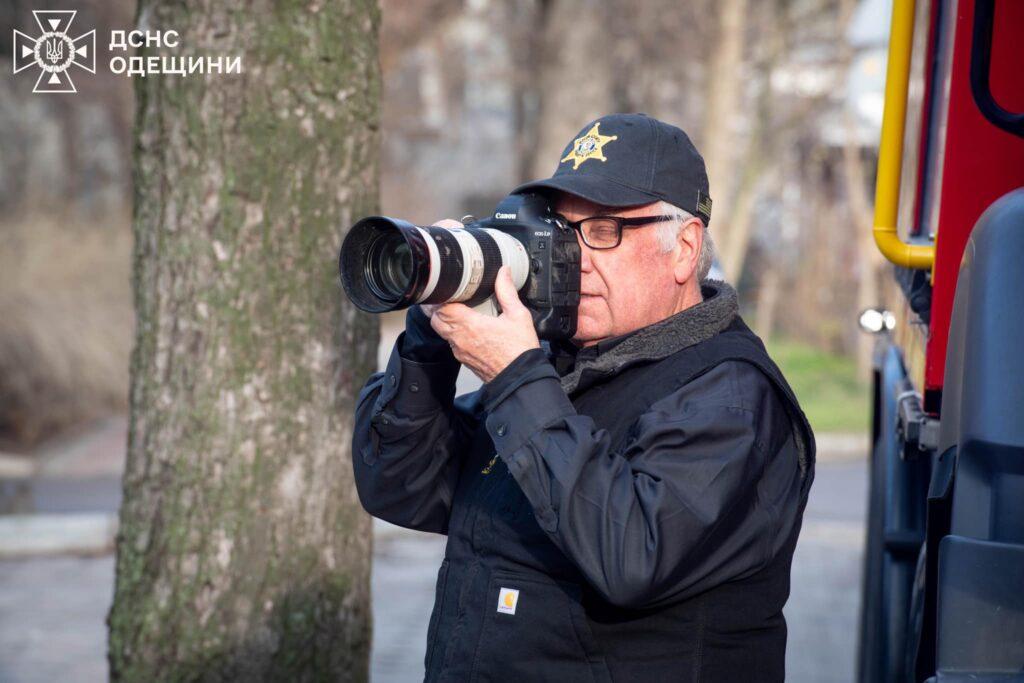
487 344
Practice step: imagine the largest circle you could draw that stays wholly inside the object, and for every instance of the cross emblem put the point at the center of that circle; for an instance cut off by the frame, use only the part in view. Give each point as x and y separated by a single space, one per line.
54 52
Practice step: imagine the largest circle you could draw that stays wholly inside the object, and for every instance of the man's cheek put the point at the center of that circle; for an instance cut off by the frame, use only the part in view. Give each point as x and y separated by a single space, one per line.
593 312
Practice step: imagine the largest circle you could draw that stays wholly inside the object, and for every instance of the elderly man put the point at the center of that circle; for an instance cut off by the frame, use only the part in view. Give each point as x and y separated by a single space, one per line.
622 508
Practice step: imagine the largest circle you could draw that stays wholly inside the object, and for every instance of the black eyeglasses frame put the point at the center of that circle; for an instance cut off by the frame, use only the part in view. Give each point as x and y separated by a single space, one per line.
620 223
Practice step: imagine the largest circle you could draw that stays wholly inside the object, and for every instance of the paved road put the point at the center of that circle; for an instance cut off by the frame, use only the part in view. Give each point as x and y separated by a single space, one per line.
822 611
52 610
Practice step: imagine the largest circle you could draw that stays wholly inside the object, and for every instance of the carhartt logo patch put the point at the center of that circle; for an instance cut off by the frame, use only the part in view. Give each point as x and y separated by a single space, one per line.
508 598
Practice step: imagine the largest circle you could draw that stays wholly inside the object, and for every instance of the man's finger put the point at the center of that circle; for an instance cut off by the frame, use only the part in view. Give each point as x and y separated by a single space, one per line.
441 326
453 312
505 291
453 308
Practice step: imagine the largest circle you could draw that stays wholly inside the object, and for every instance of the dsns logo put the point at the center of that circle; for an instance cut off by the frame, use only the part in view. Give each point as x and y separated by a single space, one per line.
54 52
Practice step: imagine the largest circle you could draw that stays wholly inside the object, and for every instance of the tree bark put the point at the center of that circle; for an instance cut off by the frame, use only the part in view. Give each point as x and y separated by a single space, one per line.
243 553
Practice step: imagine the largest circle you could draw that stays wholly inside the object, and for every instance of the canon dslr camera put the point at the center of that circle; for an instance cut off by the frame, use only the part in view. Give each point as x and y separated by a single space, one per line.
387 264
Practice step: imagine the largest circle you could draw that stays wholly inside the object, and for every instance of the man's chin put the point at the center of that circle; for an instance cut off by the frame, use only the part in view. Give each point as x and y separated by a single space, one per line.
587 333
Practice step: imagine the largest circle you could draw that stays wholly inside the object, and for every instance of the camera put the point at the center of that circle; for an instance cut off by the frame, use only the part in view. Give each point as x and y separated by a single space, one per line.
387 264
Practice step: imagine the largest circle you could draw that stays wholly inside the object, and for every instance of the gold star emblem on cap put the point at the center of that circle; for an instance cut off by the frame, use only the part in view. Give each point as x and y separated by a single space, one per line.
589 147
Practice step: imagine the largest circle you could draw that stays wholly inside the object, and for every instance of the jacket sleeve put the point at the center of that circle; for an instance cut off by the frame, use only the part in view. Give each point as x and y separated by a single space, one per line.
683 506
407 433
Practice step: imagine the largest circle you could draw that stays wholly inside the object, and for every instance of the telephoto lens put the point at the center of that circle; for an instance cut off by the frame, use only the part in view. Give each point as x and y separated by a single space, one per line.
387 264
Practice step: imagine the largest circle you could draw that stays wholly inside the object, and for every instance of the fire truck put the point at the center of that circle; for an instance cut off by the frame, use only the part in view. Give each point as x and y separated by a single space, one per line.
943 585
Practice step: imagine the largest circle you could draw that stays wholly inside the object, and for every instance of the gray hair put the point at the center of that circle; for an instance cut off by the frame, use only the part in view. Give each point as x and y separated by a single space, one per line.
669 234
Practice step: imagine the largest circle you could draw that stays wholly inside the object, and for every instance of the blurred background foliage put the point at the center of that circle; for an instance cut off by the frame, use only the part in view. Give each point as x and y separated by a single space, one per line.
783 98
831 390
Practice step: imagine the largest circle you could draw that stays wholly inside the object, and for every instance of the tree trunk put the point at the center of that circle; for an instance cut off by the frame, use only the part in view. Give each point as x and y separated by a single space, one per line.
722 96
243 553
758 169
741 226
532 59
572 45
767 302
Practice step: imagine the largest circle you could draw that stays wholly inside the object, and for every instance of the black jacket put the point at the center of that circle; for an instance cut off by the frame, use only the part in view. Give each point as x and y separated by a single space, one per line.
628 516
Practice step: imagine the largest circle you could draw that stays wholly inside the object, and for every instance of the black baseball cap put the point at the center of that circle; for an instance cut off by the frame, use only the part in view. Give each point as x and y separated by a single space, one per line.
630 159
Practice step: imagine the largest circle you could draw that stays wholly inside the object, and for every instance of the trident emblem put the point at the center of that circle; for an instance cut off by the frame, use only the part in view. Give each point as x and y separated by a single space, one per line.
54 52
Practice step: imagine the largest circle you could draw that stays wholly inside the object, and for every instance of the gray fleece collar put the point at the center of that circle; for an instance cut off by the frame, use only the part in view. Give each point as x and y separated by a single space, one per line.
654 342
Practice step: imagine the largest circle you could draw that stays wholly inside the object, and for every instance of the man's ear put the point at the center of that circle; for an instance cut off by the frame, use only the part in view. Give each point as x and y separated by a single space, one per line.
687 252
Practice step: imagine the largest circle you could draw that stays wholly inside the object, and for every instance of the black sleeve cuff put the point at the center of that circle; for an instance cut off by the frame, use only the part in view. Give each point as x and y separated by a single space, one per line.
528 366
420 342
412 388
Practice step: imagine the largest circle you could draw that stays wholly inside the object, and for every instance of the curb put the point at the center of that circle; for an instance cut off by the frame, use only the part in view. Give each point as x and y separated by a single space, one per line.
386 531
87 533
16 467
842 446
93 533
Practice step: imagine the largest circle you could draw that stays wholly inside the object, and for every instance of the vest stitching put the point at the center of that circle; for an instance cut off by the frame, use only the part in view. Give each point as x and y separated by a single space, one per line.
698 659
460 621
768 540
433 642
772 509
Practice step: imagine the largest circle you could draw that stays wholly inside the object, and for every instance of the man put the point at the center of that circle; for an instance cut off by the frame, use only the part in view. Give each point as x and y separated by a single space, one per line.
624 508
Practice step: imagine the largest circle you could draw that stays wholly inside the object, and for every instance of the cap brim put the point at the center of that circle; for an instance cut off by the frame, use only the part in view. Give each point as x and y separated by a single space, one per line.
593 188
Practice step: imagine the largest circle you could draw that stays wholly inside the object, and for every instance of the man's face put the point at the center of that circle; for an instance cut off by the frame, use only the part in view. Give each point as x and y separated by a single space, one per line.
625 288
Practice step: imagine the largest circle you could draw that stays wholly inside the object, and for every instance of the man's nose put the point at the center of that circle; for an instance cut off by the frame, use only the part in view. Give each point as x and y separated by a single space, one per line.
586 265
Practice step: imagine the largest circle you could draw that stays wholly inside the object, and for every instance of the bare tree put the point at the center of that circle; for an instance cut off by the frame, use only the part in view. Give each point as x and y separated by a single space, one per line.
243 553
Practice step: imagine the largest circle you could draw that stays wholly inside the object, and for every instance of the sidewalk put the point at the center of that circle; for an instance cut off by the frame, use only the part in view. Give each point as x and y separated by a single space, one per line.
57 566
52 612
64 499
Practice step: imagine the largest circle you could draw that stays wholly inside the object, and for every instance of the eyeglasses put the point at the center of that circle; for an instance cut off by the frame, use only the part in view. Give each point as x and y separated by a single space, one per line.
605 232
